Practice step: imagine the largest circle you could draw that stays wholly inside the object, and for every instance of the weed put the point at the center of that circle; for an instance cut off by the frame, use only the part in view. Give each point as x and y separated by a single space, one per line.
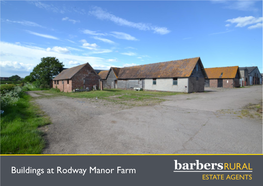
19 128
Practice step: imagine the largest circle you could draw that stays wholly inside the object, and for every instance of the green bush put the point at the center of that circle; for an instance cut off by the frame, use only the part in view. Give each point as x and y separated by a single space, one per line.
7 87
55 89
10 97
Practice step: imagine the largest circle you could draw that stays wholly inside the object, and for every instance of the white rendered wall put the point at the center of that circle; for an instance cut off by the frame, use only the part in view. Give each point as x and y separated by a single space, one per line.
167 85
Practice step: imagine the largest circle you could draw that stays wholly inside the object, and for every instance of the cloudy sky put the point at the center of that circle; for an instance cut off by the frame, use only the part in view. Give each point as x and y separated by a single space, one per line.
118 33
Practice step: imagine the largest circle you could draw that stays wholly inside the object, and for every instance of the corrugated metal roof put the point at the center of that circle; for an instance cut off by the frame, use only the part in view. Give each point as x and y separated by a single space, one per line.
222 72
69 73
176 68
103 74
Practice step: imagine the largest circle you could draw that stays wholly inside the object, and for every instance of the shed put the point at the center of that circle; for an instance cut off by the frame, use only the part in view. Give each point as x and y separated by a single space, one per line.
250 75
78 77
109 77
226 77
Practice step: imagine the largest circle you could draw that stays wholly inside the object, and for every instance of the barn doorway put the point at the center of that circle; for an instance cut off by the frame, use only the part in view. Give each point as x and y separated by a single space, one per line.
220 83
115 83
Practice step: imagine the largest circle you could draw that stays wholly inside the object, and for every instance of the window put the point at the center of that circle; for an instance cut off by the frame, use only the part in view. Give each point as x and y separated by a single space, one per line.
174 81
154 81
57 81
67 81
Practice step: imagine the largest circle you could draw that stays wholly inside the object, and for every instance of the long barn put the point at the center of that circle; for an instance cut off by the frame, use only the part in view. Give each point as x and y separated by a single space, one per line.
186 75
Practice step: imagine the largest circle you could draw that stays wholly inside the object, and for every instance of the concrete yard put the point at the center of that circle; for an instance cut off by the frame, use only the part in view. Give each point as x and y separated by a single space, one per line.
211 122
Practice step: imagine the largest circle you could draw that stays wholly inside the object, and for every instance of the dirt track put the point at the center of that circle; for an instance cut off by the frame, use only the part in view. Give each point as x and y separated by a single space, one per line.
209 122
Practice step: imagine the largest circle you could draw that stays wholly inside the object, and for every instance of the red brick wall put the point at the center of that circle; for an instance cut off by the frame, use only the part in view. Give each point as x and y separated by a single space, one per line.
86 77
63 87
213 83
227 83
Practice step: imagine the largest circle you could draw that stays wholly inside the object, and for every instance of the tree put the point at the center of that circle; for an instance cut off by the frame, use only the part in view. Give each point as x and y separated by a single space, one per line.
44 72
14 78
29 79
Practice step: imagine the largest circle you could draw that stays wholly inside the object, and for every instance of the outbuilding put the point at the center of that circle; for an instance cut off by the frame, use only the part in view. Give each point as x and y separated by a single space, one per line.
109 77
186 75
79 77
225 77
250 75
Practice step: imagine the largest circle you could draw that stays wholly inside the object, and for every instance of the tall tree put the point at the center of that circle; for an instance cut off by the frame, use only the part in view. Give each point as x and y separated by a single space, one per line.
44 72
14 78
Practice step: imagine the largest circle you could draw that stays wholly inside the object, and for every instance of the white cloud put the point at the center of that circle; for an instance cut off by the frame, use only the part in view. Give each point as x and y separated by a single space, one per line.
103 15
70 41
101 51
94 47
14 65
43 35
73 63
83 41
48 7
62 10
243 5
121 35
104 40
17 43
25 23
59 50
90 32
129 65
224 32
89 46
71 20
76 49
245 21
259 25
112 60
25 58
129 53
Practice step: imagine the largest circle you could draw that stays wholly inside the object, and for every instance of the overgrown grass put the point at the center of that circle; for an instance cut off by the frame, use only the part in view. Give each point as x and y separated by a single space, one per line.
19 128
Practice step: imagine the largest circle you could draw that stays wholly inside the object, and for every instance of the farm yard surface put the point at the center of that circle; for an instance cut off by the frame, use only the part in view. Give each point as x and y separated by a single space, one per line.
218 121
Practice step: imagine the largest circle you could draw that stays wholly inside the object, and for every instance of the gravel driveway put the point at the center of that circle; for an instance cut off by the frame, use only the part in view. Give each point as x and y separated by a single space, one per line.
205 123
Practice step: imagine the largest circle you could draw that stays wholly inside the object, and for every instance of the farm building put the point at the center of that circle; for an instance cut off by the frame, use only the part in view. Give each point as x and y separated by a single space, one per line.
250 76
109 77
79 77
226 77
187 75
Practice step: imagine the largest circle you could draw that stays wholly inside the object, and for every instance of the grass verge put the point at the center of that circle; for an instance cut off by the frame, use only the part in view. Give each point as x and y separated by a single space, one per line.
127 97
19 128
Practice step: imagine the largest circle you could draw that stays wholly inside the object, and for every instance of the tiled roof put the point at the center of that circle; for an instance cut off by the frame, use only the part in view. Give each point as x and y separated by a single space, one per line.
222 72
69 73
103 74
116 71
177 68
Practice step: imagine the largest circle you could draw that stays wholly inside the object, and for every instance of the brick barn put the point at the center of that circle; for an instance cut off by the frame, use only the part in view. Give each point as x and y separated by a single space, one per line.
225 77
79 77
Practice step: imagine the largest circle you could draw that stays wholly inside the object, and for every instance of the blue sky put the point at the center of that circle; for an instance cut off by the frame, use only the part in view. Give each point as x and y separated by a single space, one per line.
119 33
